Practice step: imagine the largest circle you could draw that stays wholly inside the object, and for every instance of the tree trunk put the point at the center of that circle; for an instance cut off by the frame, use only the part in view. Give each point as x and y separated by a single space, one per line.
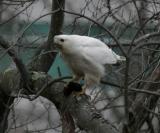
44 62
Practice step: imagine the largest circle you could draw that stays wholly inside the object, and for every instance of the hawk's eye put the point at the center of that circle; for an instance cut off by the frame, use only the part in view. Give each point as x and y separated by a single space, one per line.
62 40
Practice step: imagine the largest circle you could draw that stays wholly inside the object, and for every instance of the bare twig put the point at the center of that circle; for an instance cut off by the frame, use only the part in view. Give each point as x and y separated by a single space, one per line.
5 22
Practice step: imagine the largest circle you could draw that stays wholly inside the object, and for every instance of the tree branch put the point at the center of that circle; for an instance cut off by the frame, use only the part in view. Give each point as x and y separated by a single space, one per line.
7 21
19 64
139 113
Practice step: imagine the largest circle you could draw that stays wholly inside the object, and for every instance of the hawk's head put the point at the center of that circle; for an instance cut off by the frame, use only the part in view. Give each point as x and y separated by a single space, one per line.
65 43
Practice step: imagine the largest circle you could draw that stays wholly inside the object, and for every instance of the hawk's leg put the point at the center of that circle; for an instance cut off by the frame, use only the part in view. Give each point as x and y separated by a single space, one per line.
90 81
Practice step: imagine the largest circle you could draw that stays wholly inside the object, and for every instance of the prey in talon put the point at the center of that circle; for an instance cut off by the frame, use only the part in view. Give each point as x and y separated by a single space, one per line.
72 87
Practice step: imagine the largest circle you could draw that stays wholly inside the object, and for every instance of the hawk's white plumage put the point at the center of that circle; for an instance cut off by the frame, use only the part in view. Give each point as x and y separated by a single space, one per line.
86 56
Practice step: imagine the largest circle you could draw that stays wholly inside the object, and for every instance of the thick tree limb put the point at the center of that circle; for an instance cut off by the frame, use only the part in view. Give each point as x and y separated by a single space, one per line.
19 64
6 86
88 118
85 115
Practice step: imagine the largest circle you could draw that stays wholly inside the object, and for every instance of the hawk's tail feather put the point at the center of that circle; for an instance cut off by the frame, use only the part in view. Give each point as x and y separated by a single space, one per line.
121 59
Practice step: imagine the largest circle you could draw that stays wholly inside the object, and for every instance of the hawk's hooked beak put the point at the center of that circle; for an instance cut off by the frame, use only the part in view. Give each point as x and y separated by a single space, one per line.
57 44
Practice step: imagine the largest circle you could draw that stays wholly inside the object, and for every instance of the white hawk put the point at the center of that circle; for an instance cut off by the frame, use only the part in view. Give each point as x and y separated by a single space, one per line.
86 57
